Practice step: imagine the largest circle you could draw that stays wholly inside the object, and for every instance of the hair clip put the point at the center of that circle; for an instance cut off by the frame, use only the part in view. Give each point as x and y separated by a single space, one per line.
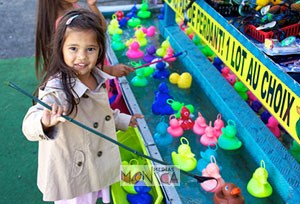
69 21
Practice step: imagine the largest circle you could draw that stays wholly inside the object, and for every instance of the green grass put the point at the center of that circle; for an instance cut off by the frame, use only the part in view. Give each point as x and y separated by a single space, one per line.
18 156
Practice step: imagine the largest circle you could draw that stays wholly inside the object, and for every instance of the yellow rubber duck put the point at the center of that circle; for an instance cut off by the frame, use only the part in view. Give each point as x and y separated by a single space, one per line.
258 185
184 159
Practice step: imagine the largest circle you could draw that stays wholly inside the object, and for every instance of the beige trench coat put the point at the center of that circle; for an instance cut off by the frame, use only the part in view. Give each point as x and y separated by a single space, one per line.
73 161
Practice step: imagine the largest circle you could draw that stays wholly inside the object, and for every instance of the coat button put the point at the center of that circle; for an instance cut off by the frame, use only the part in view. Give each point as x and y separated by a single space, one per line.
85 96
104 85
107 118
95 125
79 163
99 154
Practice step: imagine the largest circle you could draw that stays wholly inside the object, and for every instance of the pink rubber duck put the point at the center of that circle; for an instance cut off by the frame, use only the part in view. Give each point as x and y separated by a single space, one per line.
185 120
175 128
218 125
134 51
212 170
273 126
150 31
209 138
170 53
200 125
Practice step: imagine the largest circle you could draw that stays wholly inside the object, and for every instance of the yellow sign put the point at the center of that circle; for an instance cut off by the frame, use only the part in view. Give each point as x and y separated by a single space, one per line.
276 97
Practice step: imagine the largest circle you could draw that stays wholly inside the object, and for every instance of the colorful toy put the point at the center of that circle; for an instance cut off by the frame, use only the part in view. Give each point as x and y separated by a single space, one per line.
134 51
264 116
295 150
256 105
150 54
229 193
183 81
156 60
161 71
205 157
139 80
150 31
123 22
143 12
161 52
218 125
212 170
133 22
162 137
147 71
241 89
133 167
143 196
113 27
117 43
177 106
258 186
140 36
169 54
133 11
161 14
200 125
160 105
228 139
273 126
184 159
119 14
185 120
209 138
175 128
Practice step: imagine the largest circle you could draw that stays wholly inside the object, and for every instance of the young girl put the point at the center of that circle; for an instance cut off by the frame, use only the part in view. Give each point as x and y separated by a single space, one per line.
49 13
74 164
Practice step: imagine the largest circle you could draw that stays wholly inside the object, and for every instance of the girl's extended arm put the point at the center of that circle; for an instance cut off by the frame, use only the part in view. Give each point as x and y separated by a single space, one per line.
93 6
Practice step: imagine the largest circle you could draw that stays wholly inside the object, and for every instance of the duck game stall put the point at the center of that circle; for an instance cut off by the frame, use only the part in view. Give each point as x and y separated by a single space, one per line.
214 106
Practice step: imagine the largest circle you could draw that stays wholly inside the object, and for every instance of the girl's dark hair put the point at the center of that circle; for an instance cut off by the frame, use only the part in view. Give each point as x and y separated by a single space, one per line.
84 20
47 12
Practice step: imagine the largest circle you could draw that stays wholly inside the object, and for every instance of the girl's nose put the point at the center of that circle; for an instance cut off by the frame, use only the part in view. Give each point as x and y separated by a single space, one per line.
81 55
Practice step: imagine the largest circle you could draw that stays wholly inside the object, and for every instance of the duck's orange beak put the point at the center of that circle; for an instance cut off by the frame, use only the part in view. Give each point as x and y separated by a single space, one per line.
235 191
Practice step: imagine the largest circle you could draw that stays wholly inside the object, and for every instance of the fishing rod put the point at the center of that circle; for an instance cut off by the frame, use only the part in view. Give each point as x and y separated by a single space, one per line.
162 59
200 179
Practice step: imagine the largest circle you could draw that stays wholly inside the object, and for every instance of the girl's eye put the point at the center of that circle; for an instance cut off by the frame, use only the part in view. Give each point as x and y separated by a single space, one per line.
72 48
91 49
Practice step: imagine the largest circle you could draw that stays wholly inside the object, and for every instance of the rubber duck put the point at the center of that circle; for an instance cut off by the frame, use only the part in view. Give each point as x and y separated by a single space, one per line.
273 126
131 173
228 139
231 78
161 14
150 31
212 170
205 156
209 137
169 54
161 72
123 22
218 125
185 120
117 43
200 125
258 186
142 196
176 106
295 150
133 22
134 51
150 54
161 52
158 59
113 26
143 12
241 89
183 81
161 136
175 128
160 105
133 11
264 116
229 193
256 106
119 14
139 80
184 159
140 36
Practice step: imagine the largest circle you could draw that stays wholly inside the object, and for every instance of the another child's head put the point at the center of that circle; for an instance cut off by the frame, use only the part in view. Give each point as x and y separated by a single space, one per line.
82 24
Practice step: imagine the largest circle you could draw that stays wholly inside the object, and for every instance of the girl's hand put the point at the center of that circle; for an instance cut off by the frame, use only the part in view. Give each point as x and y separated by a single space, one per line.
53 117
91 2
133 122
119 70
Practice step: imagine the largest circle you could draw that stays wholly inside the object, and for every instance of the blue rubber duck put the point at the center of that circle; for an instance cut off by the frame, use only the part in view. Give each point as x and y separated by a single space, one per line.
162 137
206 155
160 105
143 196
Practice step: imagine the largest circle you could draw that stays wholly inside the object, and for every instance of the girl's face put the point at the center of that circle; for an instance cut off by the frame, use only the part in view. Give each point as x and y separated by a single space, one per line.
80 51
